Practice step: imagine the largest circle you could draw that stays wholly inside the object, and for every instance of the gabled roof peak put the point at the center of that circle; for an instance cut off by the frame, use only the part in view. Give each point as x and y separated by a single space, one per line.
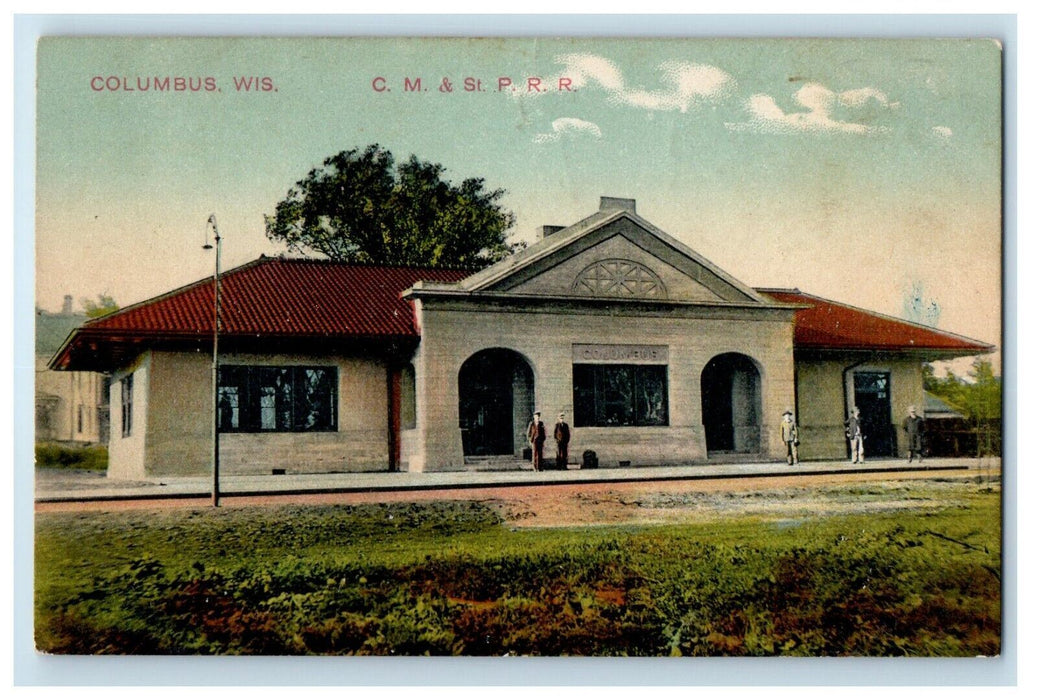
616 217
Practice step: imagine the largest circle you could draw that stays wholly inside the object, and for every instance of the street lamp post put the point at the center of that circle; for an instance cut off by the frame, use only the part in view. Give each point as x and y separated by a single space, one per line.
216 356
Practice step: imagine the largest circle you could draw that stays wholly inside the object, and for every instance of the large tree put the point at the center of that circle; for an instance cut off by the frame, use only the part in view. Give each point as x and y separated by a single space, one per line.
361 207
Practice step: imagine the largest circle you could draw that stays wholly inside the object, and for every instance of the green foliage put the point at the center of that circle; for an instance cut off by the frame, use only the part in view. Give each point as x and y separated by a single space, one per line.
359 208
983 401
930 380
978 397
104 305
448 579
55 456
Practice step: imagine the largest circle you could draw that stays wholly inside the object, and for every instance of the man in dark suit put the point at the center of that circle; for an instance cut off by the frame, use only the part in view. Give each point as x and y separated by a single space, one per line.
914 426
536 435
561 442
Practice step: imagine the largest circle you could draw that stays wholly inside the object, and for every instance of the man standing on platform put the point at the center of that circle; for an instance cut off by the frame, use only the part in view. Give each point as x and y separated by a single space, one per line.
791 436
561 442
536 435
855 436
914 426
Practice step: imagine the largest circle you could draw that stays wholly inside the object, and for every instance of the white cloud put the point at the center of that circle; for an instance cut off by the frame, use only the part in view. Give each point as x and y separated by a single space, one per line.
583 69
861 96
686 84
821 105
683 84
568 126
941 132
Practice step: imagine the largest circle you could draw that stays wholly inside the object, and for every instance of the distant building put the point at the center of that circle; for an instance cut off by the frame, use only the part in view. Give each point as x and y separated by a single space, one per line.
935 408
656 354
70 406
950 434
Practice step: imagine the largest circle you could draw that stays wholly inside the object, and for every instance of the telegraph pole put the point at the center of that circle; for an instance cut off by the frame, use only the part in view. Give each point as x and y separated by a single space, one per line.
216 356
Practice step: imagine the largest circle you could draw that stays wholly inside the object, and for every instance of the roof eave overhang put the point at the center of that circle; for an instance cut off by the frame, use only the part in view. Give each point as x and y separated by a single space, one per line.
922 353
110 350
424 292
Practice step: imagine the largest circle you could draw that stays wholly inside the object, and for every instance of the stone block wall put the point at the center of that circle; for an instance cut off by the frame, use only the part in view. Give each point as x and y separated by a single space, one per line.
544 337
173 421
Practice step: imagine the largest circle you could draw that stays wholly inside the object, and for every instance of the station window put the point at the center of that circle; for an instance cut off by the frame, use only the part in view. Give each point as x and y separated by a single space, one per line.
408 396
277 399
619 395
126 401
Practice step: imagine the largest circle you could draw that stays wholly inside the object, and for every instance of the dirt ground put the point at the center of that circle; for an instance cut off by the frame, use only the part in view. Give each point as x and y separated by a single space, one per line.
783 499
571 505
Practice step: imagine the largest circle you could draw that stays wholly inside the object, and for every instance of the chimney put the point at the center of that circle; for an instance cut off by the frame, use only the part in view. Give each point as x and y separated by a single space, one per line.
616 204
66 305
547 231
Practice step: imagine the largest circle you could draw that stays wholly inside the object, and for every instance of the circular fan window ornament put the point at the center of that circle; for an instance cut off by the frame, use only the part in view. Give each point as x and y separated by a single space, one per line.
619 278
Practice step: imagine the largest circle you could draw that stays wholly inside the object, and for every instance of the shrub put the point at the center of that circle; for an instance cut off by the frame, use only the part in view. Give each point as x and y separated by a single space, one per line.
56 456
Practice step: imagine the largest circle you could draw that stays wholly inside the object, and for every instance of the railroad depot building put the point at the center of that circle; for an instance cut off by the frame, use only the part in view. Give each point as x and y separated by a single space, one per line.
655 355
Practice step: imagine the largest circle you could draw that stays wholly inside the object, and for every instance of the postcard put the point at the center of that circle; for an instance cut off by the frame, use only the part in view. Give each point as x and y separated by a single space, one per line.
496 347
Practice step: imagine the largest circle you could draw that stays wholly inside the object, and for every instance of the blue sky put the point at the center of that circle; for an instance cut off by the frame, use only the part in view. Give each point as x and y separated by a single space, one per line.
858 170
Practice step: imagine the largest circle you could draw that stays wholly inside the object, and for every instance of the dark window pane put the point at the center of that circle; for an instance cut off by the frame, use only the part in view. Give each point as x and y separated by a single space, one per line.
277 399
871 382
616 397
314 399
619 395
651 398
271 388
233 399
583 395
126 394
267 409
229 407
283 399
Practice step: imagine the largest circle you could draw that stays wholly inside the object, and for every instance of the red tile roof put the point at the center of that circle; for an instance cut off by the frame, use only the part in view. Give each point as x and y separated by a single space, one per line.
830 325
287 299
269 297
284 297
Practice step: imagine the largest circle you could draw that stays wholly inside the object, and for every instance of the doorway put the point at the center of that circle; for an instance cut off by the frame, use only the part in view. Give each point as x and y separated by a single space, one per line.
872 397
731 402
495 402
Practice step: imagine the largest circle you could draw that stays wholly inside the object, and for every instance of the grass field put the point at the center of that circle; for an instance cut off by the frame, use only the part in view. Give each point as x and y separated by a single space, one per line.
458 578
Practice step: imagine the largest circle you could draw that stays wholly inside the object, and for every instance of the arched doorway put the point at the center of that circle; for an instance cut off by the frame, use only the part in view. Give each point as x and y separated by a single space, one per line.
730 390
495 402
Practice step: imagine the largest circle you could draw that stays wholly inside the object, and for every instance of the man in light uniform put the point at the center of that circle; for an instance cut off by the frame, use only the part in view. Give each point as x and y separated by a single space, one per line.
790 436
855 436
